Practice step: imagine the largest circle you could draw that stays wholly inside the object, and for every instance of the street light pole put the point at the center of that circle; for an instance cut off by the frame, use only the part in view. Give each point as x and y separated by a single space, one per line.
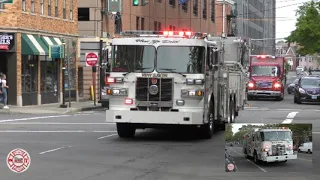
63 105
68 65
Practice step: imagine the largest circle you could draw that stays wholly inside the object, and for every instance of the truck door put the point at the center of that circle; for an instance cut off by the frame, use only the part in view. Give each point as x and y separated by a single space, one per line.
210 74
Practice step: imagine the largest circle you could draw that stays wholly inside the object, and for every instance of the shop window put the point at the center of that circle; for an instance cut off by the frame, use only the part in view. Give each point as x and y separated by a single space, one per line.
204 10
56 11
32 6
213 11
83 14
142 23
185 6
49 74
29 71
71 10
41 7
49 7
195 7
64 9
137 22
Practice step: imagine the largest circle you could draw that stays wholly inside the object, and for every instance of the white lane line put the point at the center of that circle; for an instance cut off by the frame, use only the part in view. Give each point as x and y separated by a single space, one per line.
71 131
33 118
249 160
56 123
305 159
51 150
290 117
107 136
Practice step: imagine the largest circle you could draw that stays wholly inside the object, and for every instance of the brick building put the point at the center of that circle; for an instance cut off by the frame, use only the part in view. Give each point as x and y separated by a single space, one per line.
158 15
28 28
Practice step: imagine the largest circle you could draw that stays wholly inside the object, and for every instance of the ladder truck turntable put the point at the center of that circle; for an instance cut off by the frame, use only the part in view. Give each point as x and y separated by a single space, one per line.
175 79
270 144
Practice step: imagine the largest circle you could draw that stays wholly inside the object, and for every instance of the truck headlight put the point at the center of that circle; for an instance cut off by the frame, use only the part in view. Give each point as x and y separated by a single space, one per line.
191 93
194 81
117 91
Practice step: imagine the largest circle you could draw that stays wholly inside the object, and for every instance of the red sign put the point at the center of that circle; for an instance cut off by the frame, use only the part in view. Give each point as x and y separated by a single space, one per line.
4 47
91 59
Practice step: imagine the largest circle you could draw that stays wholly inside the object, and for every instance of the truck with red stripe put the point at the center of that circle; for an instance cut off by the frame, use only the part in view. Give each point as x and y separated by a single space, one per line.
267 77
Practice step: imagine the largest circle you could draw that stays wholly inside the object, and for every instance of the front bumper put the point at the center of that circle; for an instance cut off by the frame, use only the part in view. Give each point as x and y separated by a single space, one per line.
309 98
278 158
262 93
154 117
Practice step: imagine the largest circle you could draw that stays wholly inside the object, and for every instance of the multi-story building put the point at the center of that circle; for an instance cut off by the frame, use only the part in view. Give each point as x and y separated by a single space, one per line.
158 15
27 29
256 20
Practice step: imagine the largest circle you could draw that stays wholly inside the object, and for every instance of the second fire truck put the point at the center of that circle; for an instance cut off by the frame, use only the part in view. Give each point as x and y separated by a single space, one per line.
169 79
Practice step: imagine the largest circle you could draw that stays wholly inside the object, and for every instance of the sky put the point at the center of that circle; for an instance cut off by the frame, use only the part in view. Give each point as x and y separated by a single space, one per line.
286 16
236 126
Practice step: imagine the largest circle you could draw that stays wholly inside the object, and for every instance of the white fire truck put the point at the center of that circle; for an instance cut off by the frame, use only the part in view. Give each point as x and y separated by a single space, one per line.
169 79
269 145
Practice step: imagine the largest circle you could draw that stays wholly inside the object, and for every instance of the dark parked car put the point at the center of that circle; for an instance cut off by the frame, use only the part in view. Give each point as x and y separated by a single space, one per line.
230 163
307 90
291 86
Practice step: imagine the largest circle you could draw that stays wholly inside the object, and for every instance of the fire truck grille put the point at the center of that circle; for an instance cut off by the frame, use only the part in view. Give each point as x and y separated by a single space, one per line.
165 89
278 150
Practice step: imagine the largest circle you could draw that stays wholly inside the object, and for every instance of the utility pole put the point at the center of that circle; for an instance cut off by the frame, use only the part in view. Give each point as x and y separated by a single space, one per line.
101 72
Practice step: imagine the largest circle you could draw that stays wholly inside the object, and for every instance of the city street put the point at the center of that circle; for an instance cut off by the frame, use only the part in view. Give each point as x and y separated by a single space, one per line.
302 164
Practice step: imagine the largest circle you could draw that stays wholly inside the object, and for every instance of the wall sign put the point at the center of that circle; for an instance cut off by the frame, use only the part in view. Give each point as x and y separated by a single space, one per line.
6 41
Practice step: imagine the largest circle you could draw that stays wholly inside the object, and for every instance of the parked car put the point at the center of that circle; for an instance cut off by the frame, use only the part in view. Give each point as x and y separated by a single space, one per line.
230 162
291 86
307 90
306 147
314 72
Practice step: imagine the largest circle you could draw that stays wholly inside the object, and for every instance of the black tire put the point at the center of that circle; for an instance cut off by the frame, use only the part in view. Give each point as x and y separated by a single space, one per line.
255 158
249 98
207 130
309 151
298 100
105 104
125 130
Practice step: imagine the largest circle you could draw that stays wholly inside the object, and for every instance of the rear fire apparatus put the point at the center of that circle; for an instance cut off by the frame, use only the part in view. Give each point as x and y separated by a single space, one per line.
165 79
269 145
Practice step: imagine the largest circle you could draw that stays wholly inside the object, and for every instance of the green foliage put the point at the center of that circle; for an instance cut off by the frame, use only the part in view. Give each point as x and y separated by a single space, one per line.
307 32
228 132
287 68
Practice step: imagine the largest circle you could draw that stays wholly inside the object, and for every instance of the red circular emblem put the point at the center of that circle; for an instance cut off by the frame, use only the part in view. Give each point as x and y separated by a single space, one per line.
18 160
154 81
230 167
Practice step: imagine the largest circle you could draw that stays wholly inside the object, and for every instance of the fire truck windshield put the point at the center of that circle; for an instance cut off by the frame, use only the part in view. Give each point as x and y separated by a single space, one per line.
181 59
276 136
265 71
132 58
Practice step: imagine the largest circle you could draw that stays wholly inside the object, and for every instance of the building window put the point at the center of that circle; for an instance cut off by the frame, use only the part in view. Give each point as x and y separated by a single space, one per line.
29 74
32 6
185 6
49 7
155 26
71 9
172 3
1 6
142 23
204 10
64 9
56 12
195 7
49 74
213 11
159 26
137 23
83 14
23 5
41 7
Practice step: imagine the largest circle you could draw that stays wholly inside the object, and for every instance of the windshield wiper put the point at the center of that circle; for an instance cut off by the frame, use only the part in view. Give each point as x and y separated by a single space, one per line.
137 69
171 70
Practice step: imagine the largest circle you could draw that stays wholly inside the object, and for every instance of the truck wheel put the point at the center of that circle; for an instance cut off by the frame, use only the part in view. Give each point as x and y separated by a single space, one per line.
255 158
295 100
207 130
249 98
105 104
125 130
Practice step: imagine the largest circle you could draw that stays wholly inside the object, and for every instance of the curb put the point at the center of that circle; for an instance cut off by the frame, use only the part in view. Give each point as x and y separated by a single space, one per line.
74 110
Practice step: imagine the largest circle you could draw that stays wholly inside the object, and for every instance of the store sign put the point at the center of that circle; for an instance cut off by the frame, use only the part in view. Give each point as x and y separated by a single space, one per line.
6 41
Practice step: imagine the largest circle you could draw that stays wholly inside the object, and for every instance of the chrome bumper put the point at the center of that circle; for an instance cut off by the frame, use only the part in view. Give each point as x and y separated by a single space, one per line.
262 93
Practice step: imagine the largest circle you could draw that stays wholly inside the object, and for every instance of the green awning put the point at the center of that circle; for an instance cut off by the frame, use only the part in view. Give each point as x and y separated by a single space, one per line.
49 41
33 45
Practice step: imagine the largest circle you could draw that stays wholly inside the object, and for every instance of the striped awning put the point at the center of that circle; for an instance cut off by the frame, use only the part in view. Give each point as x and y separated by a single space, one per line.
33 45
49 41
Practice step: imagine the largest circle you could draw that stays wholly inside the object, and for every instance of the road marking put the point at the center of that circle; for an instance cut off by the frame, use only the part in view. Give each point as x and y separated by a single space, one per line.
315 132
107 136
305 159
71 131
33 118
51 150
249 160
56 123
290 117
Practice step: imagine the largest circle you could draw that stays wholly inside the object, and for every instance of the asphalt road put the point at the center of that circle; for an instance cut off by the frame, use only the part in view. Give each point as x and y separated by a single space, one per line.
302 164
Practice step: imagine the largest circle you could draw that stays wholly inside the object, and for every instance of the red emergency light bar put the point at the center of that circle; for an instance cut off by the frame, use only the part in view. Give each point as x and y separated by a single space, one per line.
187 34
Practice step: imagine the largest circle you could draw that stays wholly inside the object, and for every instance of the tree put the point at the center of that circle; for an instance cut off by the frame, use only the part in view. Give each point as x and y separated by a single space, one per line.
228 133
307 32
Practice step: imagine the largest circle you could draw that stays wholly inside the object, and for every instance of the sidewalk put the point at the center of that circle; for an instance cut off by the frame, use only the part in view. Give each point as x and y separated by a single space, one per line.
51 108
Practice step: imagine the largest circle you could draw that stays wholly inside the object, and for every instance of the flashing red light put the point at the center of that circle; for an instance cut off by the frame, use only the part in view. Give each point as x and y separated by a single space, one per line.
284 128
266 146
262 56
188 33
128 101
290 146
181 33
165 33
170 33
111 80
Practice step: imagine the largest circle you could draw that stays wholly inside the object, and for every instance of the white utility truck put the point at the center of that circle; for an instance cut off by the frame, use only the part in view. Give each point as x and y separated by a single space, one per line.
269 145
169 79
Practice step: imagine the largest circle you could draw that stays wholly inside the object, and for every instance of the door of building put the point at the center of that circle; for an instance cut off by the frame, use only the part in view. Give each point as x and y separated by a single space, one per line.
50 82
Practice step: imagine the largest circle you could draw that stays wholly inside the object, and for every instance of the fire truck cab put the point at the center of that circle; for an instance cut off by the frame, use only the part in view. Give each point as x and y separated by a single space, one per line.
269 145
169 79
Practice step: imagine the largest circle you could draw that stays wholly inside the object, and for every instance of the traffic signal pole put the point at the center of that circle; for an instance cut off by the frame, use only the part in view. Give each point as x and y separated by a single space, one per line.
101 73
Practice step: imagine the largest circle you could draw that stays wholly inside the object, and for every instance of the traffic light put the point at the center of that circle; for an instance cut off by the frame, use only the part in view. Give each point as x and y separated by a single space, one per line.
135 2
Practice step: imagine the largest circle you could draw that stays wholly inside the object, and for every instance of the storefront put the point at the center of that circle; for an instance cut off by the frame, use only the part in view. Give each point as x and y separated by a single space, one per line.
8 62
